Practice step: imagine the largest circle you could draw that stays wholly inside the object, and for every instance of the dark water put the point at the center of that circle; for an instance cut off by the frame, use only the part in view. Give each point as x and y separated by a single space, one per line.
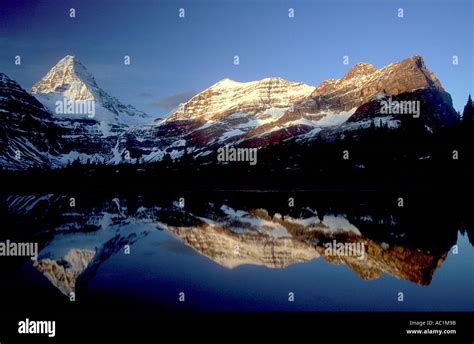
243 251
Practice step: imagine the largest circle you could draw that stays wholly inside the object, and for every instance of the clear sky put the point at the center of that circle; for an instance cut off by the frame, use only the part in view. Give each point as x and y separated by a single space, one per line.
172 57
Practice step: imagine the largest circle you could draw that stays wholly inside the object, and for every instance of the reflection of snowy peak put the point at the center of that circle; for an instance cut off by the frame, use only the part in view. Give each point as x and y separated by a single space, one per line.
70 80
63 273
83 239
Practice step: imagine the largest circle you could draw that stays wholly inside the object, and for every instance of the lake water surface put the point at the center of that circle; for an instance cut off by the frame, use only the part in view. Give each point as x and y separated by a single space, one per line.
245 251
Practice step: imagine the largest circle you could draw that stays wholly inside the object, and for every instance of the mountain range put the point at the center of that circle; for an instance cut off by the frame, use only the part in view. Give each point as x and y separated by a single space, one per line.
33 133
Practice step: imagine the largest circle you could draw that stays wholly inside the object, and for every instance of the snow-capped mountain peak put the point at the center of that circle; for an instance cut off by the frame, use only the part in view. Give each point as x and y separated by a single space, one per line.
360 70
69 80
69 77
228 113
228 97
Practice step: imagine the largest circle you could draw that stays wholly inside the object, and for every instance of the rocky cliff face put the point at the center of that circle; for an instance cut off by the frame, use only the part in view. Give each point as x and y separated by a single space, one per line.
28 134
364 82
252 98
259 113
360 84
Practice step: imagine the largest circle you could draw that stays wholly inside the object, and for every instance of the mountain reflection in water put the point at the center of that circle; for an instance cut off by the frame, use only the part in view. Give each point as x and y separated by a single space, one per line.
233 232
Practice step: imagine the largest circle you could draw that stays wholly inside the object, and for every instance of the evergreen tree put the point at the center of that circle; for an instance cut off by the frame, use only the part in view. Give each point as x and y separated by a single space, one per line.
186 159
468 113
166 161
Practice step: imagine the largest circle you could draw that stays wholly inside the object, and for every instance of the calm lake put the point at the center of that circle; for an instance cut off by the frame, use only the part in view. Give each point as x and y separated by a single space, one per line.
242 251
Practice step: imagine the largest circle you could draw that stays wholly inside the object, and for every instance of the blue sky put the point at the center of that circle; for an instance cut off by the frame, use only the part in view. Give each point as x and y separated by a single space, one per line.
172 57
